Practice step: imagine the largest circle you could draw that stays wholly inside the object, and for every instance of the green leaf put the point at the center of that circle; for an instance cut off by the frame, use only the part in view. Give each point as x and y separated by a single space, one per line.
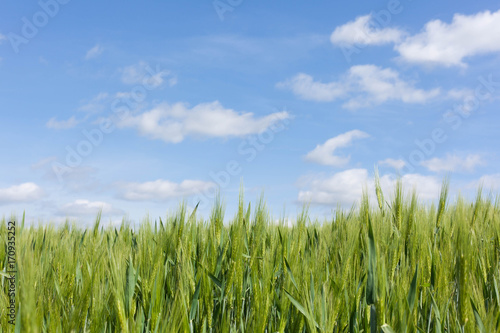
413 291
194 301
312 290
479 322
301 308
194 212
215 280
387 329
495 284
371 283
291 275
438 315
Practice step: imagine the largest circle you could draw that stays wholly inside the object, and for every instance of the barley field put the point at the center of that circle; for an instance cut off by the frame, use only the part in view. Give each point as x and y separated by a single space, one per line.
394 265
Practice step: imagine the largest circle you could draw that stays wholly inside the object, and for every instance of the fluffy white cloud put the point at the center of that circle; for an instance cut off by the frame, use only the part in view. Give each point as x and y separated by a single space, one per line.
24 192
439 43
380 85
363 31
62 124
448 44
343 188
396 164
346 187
142 73
363 85
172 123
453 162
82 207
94 52
323 154
160 189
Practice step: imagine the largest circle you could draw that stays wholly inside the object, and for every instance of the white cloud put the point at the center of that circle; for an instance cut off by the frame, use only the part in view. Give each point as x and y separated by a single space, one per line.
343 188
363 31
396 164
160 189
82 207
304 86
142 73
346 187
94 52
62 124
380 85
172 123
21 193
365 85
453 162
448 44
427 187
2 38
323 154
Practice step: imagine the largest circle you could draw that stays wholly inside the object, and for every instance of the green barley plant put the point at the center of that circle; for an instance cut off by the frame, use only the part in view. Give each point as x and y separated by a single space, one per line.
396 265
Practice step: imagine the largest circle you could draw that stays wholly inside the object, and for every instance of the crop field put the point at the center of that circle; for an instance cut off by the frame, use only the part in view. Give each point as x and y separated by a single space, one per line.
394 265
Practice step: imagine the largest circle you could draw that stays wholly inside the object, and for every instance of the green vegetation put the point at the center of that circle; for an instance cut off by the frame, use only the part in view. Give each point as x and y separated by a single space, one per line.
399 266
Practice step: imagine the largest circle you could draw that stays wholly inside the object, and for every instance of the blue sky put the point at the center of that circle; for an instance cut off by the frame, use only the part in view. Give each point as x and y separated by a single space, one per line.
133 107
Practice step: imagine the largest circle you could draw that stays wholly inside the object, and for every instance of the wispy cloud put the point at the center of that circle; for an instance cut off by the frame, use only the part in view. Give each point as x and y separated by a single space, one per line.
361 31
453 162
94 52
323 154
95 104
161 190
43 162
393 163
53 123
362 85
142 73
172 123
304 86
24 192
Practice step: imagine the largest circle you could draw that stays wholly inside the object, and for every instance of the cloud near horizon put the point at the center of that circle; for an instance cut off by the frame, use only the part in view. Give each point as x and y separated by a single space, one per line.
25 192
346 187
161 190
